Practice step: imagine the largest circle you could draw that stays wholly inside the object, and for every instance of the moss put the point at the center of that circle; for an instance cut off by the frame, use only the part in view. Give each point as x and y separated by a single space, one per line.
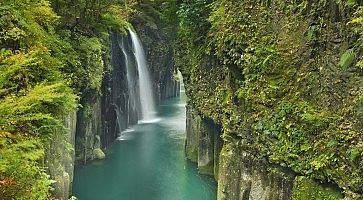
207 169
223 156
281 106
98 154
305 188
191 154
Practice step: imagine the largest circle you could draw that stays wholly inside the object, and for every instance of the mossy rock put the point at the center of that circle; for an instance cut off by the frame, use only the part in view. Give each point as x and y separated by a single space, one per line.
98 154
207 169
191 154
305 188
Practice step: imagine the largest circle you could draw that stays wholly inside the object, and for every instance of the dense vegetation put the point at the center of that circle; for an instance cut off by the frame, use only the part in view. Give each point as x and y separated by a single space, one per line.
284 78
52 54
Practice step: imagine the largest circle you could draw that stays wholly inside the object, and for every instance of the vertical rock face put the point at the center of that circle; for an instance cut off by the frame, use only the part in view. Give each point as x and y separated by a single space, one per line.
89 127
193 123
203 142
242 176
208 148
124 113
159 56
107 111
291 106
60 158
103 116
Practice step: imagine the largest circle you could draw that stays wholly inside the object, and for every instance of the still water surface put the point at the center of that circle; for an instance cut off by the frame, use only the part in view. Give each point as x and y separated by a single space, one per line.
147 163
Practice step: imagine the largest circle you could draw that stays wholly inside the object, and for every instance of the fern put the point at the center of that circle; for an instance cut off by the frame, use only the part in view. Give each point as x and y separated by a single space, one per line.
357 25
45 103
360 63
347 59
20 174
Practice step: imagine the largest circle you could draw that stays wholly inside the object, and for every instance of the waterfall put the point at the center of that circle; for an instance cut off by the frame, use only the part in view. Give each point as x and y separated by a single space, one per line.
123 133
145 85
119 118
130 83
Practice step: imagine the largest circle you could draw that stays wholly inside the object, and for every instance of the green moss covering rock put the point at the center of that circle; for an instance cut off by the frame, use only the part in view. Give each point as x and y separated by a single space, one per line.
277 76
207 169
98 154
305 188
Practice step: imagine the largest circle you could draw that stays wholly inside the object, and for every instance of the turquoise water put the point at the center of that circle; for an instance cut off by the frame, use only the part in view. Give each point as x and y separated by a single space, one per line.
148 163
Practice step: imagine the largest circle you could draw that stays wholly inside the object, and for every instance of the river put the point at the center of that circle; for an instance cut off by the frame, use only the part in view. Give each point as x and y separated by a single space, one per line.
147 163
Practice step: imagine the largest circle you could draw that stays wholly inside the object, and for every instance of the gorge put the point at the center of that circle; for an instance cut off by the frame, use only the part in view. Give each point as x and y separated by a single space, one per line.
147 162
146 96
181 99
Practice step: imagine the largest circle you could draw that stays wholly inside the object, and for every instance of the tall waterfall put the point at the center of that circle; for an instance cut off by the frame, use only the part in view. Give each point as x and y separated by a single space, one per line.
145 85
130 83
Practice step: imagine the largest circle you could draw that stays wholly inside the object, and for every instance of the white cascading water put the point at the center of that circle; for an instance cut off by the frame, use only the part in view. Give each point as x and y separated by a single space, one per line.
129 78
145 87
119 119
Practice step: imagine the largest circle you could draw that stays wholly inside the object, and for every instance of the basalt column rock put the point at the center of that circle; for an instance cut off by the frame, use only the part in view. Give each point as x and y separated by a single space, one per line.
208 148
193 127
108 114
170 88
159 57
89 127
243 176
120 106
117 107
96 118
119 90
60 157
203 143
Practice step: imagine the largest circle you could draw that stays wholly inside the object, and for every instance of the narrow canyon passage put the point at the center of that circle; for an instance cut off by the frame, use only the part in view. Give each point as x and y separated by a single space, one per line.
147 163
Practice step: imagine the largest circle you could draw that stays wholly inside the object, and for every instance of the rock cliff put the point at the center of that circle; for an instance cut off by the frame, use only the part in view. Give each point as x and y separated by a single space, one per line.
279 80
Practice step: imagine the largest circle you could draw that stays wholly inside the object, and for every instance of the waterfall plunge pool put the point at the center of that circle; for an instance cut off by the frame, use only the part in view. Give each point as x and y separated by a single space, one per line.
148 164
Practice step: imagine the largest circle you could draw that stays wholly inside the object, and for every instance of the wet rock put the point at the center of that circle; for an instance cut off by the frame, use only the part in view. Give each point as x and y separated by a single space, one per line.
60 157
203 142
98 154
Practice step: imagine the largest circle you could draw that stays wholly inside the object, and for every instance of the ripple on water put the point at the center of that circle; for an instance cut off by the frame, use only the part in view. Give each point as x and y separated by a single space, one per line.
126 134
149 121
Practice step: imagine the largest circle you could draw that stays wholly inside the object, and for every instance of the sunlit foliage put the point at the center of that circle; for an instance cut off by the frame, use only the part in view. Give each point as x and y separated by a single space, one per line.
49 51
274 74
